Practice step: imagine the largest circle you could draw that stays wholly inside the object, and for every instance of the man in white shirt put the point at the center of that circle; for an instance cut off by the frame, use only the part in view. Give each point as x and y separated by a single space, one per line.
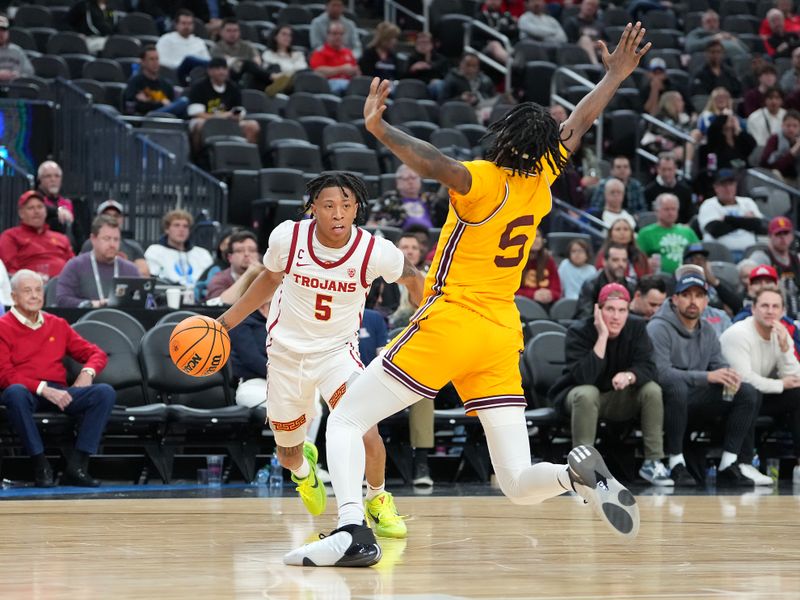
730 219
174 258
614 197
181 49
760 349
767 120
537 24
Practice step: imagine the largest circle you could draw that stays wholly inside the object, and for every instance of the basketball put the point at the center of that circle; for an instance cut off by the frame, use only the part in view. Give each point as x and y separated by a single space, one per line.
199 346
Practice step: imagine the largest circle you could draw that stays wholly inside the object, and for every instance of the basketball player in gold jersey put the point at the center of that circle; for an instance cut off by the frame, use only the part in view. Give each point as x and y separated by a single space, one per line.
467 329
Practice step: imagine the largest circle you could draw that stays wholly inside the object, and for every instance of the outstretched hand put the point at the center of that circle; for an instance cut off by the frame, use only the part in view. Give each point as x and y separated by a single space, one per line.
375 105
626 56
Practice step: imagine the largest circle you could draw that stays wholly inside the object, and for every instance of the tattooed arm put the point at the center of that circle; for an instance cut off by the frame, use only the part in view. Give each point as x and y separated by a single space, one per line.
619 64
414 282
422 157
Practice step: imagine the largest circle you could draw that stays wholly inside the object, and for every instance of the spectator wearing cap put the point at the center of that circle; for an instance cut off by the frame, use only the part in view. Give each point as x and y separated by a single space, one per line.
60 212
709 29
319 32
715 73
610 374
335 61
779 254
782 151
765 121
245 265
655 84
730 219
650 294
615 270
32 244
755 98
129 249
692 373
717 318
761 349
181 49
14 63
720 293
634 201
174 258
217 97
666 238
87 279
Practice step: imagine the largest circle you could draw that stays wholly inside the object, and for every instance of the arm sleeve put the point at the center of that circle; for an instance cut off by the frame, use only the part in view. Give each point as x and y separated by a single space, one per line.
277 253
737 351
84 352
386 261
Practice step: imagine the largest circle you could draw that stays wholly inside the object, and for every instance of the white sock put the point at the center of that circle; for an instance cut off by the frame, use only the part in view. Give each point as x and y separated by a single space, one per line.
676 459
303 470
728 458
509 446
375 491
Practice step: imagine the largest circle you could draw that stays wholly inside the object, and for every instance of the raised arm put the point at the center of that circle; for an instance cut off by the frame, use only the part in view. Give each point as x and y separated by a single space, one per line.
619 65
422 157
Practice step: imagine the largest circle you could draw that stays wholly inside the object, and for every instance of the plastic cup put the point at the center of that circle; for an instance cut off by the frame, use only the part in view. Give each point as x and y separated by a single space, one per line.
214 464
174 298
202 476
774 469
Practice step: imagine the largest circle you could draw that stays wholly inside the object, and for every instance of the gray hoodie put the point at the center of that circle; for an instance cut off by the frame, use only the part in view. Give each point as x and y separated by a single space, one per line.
681 354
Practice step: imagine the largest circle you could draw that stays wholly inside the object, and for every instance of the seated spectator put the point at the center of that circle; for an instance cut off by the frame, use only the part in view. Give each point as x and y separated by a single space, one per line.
540 280
765 277
217 97
614 271
610 374
380 58
576 268
667 182
147 91
174 258
220 261
33 345
14 63
780 43
210 12
181 49
319 33
586 28
129 249
244 60
427 65
334 60
497 18
782 151
718 103
717 318
728 142
634 192
671 109
87 279
791 21
621 232
730 219
281 60
93 19
31 244
60 212
245 265
764 122
754 98
709 30
761 350
692 373
536 24
715 73
666 238
469 84
249 358
790 80
406 205
614 195
780 254
721 294
650 294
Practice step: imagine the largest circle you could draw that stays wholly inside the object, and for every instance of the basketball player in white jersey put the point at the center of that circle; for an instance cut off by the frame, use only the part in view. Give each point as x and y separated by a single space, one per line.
320 271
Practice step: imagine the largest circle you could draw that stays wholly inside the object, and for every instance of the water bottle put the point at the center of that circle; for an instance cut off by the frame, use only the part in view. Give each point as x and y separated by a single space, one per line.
756 462
275 475
711 475
711 163
262 477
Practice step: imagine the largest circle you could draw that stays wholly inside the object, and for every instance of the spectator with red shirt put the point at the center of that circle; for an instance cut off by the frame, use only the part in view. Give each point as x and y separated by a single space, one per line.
31 244
334 60
780 42
33 345
540 279
791 21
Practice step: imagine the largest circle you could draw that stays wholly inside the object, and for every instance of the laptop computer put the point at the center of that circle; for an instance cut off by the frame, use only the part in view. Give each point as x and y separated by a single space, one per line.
132 292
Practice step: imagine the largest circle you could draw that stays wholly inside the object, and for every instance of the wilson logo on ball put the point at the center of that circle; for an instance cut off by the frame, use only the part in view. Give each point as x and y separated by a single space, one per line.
215 362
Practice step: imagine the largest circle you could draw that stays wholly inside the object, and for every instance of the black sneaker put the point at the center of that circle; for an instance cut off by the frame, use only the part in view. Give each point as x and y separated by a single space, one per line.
348 546
681 476
732 477
609 499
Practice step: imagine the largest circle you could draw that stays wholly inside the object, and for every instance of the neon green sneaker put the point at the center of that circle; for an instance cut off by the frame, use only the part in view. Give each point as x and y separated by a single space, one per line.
310 488
383 517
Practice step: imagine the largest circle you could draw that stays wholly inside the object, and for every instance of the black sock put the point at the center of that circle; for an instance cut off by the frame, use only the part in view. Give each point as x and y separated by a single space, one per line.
40 462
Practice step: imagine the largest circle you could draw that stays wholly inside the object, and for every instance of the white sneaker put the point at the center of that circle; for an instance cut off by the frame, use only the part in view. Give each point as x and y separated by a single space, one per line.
348 546
755 475
656 473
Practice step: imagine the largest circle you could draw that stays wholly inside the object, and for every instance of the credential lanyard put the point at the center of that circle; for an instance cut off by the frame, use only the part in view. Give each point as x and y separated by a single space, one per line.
97 274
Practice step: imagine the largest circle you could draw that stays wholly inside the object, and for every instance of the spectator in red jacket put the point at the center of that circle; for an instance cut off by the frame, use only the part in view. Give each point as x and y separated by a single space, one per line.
782 152
540 279
33 345
31 244
334 60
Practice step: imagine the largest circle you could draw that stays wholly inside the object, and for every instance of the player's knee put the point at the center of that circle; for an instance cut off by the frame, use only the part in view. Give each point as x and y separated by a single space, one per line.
508 481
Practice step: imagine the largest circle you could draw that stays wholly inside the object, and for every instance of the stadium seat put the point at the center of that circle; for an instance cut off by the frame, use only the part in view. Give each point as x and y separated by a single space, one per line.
341 135
533 328
558 241
122 46
530 310
350 109
50 67
138 24
95 88
176 317
23 39
220 130
282 183
359 86
563 309
456 112
310 82
544 359
449 31
718 252
302 156
227 157
314 126
128 325
305 104
104 69
405 109
50 291
28 16
411 88
536 77
284 132
251 11
255 101
67 42
293 14
421 129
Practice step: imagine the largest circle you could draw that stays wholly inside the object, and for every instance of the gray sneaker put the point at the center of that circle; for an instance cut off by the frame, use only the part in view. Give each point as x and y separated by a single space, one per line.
656 473
609 499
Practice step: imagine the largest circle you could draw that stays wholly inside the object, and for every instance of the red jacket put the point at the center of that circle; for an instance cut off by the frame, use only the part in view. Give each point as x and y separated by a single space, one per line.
29 356
328 57
22 247
784 163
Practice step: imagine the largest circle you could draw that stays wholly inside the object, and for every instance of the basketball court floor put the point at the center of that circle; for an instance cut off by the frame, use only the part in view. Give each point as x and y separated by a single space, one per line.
465 541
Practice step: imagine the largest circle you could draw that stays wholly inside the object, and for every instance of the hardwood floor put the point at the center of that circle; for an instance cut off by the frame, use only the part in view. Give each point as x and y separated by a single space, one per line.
467 547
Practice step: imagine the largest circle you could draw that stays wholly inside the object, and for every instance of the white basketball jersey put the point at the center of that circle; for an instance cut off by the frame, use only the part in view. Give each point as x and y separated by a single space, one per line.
319 304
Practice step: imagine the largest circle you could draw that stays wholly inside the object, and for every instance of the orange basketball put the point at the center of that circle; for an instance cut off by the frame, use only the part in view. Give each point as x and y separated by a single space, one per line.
199 346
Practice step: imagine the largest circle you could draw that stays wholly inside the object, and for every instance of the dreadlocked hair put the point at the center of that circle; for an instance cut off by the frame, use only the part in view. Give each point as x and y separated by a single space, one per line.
344 181
524 138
